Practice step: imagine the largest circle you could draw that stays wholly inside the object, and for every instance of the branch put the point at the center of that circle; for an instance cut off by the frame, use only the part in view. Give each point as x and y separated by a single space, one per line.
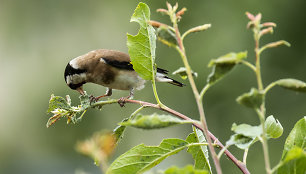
238 163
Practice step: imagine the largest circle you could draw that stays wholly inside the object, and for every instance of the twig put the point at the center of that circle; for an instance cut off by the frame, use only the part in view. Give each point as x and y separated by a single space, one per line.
238 163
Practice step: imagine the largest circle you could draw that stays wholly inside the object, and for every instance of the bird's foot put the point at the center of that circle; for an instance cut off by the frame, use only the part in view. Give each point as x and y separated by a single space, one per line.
93 99
122 101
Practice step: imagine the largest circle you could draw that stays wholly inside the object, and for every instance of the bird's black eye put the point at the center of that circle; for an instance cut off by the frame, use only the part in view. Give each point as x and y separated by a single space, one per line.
72 71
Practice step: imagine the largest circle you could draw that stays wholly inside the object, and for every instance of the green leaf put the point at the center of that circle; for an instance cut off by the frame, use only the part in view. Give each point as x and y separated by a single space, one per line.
241 141
292 84
294 156
199 153
153 121
245 135
294 162
186 170
166 36
296 137
58 102
119 131
222 65
273 128
183 73
142 46
230 58
247 130
141 158
252 99
275 44
85 101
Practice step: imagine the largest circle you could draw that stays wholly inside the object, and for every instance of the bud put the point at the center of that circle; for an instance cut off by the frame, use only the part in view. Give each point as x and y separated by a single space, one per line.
277 43
156 24
250 16
169 6
181 12
200 28
175 7
258 17
268 24
266 31
163 11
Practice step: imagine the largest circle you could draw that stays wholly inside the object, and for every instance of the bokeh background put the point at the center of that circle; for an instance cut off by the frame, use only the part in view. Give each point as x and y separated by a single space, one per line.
38 38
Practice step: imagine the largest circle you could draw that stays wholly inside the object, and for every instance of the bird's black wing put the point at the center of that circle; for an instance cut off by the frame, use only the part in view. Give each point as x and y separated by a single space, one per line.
127 65
119 64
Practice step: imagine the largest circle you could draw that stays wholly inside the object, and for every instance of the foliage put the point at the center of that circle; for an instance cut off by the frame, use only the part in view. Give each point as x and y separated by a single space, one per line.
142 157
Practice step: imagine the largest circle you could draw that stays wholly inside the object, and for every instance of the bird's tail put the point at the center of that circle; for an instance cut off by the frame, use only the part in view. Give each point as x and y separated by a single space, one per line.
163 78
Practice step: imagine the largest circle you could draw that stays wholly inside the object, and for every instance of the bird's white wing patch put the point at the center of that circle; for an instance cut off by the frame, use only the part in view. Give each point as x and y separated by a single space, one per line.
162 78
102 60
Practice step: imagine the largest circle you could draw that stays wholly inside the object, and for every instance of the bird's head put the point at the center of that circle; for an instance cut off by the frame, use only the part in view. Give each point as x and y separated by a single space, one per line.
74 77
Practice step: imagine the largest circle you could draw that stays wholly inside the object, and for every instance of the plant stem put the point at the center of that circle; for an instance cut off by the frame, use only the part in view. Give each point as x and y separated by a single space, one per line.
206 87
261 113
181 49
245 155
238 163
249 65
155 93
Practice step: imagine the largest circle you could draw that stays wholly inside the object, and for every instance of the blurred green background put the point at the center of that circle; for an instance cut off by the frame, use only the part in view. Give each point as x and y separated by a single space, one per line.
38 38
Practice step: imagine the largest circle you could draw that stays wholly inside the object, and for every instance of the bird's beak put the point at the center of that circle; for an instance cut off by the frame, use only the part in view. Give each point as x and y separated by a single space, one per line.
80 90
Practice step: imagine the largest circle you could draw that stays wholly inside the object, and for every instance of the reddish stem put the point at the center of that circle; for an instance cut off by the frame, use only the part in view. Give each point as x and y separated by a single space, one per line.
238 163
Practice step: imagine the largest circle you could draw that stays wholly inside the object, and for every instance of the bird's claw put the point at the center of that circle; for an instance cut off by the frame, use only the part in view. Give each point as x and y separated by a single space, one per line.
122 101
93 99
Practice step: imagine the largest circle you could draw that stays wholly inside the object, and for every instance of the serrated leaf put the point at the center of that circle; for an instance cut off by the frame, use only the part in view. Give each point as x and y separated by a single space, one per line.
85 101
153 121
273 128
222 65
141 158
241 141
189 169
183 73
142 46
57 102
199 153
296 137
292 84
60 108
252 99
166 36
294 162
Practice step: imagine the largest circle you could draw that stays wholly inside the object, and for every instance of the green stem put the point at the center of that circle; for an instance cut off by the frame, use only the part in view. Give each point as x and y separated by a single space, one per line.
136 112
261 113
222 151
271 85
156 95
206 87
264 141
245 155
248 64
181 49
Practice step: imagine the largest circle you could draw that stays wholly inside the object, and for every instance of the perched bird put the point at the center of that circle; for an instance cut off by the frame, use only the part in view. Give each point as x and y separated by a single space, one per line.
109 68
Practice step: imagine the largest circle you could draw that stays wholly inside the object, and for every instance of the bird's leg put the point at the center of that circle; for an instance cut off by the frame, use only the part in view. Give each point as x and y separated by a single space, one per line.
109 92
122 100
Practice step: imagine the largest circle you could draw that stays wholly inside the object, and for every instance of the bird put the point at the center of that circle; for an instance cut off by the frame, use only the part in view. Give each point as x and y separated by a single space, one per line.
111 69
